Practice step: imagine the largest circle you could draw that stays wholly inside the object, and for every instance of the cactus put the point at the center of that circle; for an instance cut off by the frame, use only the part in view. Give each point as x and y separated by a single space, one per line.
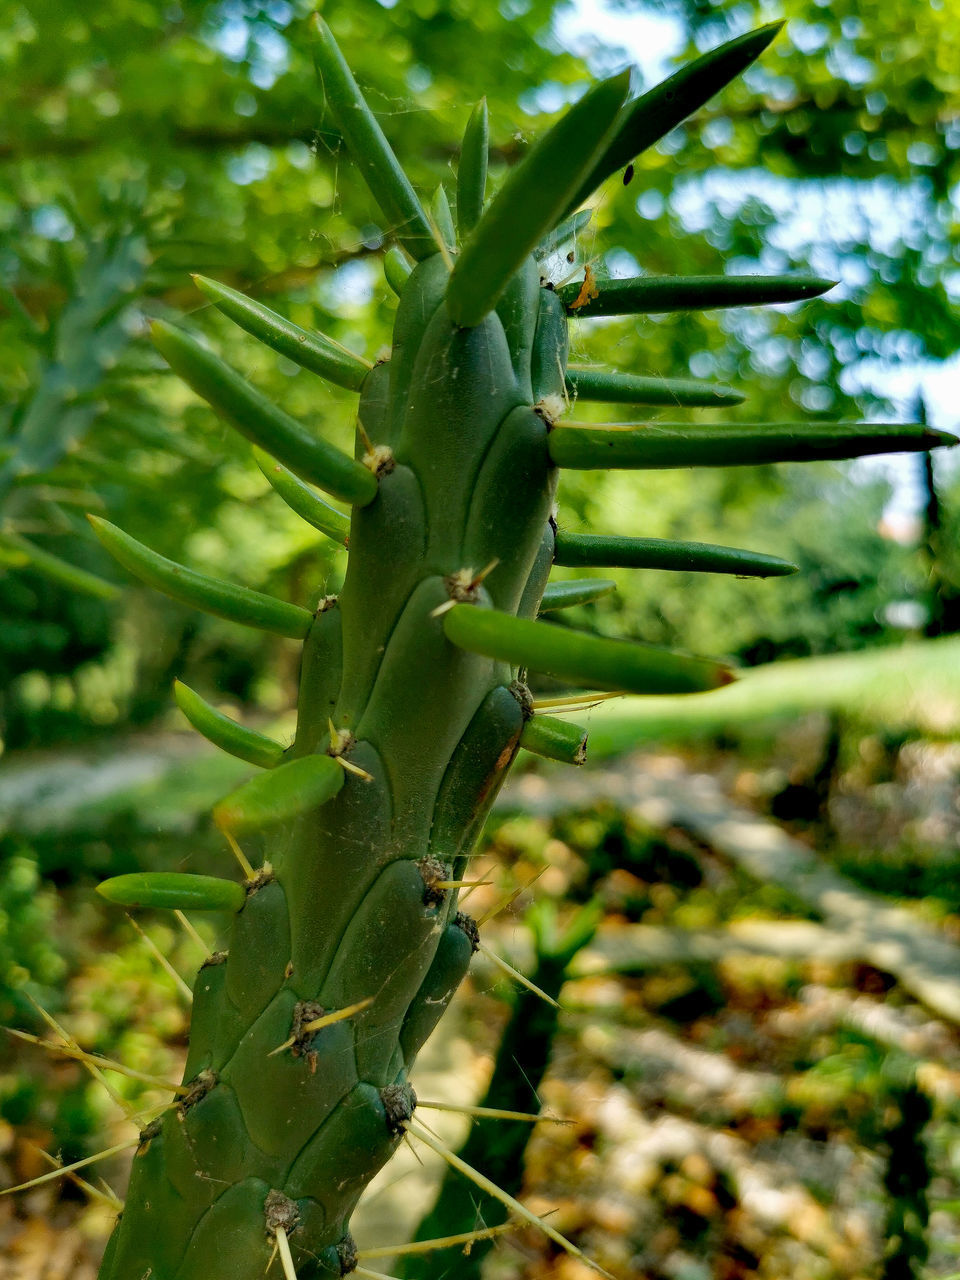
346 942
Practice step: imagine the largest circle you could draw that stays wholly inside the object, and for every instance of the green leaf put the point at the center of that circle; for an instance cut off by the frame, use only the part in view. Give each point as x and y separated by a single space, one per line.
20 553
530 201
311 351
583 550
631 388
726 444
651 295
173 890
472 170
257 418
284 793
224 599
649 118
369 148
579 656
300 498
396 268
565 595
555 739
442 217
225 733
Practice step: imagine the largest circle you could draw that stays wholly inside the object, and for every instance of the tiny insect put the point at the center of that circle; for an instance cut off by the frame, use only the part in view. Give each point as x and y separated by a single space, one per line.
627 175
571 256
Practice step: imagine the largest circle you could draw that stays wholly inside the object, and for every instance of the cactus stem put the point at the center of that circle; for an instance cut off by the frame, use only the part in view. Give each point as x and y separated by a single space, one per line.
241 857
65 1169
502 906
493 1113
191 932
317 1024
485 1184
286 1259
163 962
441 1242
73 1050
515 974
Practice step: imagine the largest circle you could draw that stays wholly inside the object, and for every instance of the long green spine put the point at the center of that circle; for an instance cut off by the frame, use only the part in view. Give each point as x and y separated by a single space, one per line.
666 444
653 295
346 943
238 604
583 550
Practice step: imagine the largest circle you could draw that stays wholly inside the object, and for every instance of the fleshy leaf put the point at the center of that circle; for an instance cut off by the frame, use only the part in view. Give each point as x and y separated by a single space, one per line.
584 550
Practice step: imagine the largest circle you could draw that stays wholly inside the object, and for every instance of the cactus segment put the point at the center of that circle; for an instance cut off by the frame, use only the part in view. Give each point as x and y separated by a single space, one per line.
579 656
225 599
447 970
174 890
370 150
649 118
309 350
284 793
631 388
566 595
584 550
472 170
300 498
555 739
246 744
531 200
442 218
723 444
257 418
21 552
396 268
653 295
562 234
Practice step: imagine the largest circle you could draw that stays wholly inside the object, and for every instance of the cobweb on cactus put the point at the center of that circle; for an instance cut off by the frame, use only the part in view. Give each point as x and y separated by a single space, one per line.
347 941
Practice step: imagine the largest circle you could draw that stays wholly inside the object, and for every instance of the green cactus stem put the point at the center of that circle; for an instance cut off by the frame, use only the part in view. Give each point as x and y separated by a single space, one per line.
348 943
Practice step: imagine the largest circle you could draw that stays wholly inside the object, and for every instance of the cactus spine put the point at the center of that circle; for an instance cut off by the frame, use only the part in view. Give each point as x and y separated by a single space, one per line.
346 943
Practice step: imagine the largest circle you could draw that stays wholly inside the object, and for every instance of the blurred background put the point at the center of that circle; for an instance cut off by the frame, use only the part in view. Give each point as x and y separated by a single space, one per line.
747 1100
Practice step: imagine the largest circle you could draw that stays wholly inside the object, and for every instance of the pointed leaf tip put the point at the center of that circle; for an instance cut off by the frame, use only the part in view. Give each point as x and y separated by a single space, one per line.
645 120
530 202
